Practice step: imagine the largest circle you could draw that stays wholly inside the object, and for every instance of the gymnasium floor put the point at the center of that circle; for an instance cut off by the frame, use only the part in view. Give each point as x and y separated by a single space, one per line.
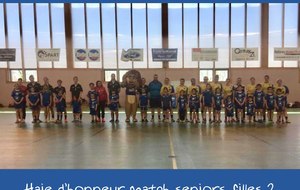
159 145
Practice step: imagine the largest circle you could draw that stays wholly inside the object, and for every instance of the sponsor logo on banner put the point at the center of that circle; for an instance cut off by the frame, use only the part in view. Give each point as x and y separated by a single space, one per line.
80 55
287 54
47 54
162 54
8 54
93 55
132 55
244 54
204 54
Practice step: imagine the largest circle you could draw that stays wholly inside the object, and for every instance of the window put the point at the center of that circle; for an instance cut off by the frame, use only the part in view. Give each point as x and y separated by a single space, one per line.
16 74
28 36
253 30
190 15
78 29
108 73
139 31
290 29
124 32
13 32
206 22
223 75
43 30
222 34
237 30
109 35
2 34
154 31
175 32
206 73
275 31
93 30
121 74
58 33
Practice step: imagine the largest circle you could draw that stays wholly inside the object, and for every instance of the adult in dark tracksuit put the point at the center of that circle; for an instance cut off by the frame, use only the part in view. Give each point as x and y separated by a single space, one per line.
24 91
113 85
154 96
37 88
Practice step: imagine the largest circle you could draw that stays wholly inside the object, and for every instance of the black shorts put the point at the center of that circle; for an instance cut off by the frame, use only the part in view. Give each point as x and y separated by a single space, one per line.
165 108
155 103
144 108
194 109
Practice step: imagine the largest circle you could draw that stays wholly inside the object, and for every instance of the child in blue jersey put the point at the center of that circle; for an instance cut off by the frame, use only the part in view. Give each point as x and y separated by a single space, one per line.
280 105
143 103
18 97
114 106
229 105
182 104
34 100
259 102
166 102
76 104
207 102
194 103
250 108
239 100
60 104
46 99
217 103
93 102
270 103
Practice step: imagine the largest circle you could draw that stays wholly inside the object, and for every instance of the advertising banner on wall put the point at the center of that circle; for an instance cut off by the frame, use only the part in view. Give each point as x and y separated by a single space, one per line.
286 54
164 54
204 54
87 55
7 54
47 54
132 55
244 54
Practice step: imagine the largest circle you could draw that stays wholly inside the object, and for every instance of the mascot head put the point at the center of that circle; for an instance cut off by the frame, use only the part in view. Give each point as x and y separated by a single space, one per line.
132 78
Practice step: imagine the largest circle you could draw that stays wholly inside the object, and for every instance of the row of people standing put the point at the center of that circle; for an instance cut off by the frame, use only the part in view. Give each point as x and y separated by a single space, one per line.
211 95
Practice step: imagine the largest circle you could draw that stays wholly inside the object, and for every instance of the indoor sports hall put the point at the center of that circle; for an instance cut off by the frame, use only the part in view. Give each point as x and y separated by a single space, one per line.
149 85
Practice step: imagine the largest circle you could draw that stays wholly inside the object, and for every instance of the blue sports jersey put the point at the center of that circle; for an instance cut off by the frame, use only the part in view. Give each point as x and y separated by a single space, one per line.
270 99
207 97
76 106
280 101
93 97
182 101
34 98
229 108
154 89
218 100
194 102
17 95
46 95
250 108
240 96
114 102
166 101
259 97
61 105
143 100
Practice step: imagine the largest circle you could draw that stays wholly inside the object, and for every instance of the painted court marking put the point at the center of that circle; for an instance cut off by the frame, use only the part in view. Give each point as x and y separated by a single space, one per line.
172 152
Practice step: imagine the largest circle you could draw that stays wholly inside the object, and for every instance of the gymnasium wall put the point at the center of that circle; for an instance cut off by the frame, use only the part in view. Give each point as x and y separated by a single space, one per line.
290 78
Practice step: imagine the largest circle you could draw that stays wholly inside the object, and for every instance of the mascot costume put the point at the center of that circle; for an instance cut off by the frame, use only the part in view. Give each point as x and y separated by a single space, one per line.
132 80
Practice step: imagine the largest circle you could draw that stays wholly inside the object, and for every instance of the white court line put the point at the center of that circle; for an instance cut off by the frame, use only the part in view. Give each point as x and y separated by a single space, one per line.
172 152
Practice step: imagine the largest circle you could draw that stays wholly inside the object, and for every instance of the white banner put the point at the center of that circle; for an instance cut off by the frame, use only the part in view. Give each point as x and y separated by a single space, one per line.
132 55
47 54
286 54
204 54
244 54
87 55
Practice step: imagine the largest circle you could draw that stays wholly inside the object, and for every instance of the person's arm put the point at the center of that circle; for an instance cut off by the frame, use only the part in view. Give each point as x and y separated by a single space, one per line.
41 97
71 95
